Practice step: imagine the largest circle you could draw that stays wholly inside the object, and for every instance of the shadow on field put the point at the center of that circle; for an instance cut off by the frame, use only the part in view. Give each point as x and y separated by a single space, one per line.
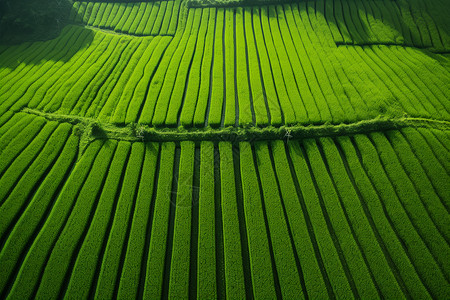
365 26
71 40
33 32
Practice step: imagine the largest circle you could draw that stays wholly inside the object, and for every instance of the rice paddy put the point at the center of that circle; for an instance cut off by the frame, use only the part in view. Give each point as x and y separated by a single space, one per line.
229 149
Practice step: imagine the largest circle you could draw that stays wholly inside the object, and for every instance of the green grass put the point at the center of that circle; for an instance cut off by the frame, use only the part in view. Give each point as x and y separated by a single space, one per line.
231 149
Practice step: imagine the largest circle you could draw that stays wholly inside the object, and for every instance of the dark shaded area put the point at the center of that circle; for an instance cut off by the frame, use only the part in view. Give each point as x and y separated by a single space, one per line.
32 20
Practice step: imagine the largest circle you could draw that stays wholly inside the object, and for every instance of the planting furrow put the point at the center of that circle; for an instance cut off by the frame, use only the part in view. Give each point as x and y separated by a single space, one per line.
284 251
180 262
398 258
75 96
133 18
129 279
71 237
311 112
429 157
143 17
230 110
176 17
232 245
168 9
55 95
340 99
159 18
270 92
11 131
139 93
20 164
315 281
206 259
19 87
417 211
151 19
197 95
246 110
108 109
85 267
155 260
310 65
134 78
255 81
175 80
139 12
113 78
424 263
338 218
334 264
93 90
191 76
35 94
46 82
30 271
16 201
361 227
261 264
118 238
171 57
282 90
27 227
7 116
217 75
336 107
418 176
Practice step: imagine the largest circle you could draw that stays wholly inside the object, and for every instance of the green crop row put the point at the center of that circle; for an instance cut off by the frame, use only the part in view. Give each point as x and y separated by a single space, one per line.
16 164
206 261
416 23
135 18
196 42
30 221
92 248
181 243
34 261
349 216
18 195
131 271
118 237
72 234
276 57
196 76
154 263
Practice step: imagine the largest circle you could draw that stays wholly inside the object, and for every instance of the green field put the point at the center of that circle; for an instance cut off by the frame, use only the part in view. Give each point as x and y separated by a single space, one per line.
229 149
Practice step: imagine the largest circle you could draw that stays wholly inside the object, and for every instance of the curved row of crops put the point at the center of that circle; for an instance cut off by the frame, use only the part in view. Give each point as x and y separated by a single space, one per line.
364 215
136 18
261 66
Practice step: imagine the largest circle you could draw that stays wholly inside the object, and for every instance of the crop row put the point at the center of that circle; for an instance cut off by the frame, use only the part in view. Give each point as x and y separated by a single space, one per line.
417 23
360 216
135 18
224 67
270 66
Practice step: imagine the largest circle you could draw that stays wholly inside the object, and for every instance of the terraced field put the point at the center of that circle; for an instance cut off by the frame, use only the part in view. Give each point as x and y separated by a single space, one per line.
227 149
